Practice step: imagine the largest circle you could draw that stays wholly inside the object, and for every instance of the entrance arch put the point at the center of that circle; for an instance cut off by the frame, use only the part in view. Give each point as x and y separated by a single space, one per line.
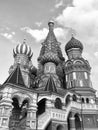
77 122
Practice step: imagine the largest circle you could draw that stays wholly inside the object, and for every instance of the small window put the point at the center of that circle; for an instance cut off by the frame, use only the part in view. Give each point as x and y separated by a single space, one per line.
81 83
74 98
87 100
58 103
85 73
74 75
82 100
66 78
0 97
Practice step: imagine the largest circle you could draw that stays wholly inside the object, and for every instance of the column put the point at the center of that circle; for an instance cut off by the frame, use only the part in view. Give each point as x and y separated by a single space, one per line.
5 113
72 123
31 121
49 104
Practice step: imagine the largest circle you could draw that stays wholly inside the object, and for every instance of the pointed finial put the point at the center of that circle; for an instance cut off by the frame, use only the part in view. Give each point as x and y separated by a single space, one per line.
73 32
24 41
51 25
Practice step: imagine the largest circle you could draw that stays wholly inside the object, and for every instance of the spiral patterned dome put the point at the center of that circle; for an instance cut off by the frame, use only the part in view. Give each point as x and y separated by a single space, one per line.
23 49
73 43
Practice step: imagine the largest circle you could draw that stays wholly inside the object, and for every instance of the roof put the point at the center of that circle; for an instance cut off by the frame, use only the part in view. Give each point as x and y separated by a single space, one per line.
73 43
50 85
15 77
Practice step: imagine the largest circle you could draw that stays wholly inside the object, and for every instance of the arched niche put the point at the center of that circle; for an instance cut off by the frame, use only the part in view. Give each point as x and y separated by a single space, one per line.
67 100
77 122
82 100
24 107
68 121
74 98
58 103
41 106
0 97
15 115
87 100
60 127
78 62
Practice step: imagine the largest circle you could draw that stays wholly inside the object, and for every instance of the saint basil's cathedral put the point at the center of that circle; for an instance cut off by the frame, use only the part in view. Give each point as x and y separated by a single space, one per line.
58 95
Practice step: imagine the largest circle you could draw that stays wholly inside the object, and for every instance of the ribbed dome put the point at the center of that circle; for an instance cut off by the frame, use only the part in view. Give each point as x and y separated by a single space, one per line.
73 43
23 49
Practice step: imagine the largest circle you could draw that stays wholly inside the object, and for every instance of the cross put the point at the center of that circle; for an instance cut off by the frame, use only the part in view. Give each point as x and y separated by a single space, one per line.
24 41
73 32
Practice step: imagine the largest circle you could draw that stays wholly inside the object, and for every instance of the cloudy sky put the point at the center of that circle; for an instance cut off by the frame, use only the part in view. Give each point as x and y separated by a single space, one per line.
27 19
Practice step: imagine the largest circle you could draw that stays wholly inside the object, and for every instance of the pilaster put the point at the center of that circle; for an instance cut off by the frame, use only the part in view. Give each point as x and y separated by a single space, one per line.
5 113
31 121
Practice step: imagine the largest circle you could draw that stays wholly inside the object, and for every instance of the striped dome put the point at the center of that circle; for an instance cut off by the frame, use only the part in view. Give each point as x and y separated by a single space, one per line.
23 49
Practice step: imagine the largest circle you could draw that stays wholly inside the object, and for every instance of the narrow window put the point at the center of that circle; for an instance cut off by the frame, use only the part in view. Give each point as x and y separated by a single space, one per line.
85 73
81 83
74 75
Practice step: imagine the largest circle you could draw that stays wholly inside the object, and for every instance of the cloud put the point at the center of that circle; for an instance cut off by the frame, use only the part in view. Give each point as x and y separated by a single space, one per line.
83 17
59 3
40 34
8 36
38 24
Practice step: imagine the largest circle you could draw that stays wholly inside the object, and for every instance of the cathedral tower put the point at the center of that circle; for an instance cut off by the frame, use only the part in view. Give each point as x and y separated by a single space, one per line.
50 58
22 56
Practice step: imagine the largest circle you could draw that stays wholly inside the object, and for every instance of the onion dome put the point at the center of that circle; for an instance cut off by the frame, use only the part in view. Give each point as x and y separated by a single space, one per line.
23 49
50 51
73 43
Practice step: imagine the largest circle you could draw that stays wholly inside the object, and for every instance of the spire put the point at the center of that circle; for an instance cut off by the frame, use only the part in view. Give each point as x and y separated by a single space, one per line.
51 37
50 51
50 86
15 77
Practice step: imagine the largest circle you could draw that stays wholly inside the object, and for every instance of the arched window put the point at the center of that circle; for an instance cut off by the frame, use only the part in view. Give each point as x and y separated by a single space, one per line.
24 107
0 97
67 101
87 100
16 111
82 100
58 103
74 98
68 121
